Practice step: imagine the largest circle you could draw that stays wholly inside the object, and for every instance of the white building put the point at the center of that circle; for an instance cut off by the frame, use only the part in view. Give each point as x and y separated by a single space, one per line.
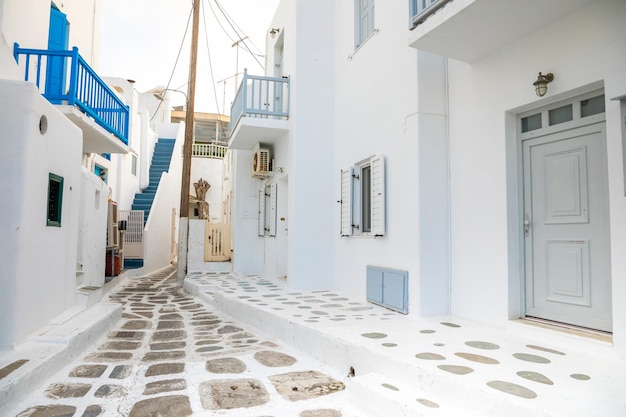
58 120
411 162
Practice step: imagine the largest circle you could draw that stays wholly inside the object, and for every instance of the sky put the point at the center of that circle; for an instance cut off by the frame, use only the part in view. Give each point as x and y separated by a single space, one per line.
141 39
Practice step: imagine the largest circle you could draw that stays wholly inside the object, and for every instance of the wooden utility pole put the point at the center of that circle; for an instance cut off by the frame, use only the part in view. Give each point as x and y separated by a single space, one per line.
183 224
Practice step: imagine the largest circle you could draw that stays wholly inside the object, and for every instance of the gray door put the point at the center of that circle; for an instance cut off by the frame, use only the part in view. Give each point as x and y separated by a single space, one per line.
566 227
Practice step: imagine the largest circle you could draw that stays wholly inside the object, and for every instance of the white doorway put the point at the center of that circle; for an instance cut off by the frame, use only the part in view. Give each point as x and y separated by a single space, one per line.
282 232
566 213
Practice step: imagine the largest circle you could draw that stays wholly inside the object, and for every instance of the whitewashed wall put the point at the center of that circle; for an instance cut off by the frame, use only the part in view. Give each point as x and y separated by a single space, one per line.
158 231
306 155
195 245
380 110
210 170
486 282
247 247
39 262
91 230
27 21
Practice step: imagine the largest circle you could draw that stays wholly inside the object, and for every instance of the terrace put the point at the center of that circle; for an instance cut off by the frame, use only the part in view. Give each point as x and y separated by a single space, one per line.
67 81
260 111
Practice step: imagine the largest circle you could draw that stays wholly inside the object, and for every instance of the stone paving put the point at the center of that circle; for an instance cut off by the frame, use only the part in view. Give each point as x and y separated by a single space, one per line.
437 363
172 356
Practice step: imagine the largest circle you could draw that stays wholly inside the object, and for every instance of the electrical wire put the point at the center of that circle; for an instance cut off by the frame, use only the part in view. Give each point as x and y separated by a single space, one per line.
180 49
241 37
259 53
206 35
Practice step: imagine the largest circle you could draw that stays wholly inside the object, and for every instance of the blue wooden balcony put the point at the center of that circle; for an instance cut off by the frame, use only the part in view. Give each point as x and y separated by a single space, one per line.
260 111
66 80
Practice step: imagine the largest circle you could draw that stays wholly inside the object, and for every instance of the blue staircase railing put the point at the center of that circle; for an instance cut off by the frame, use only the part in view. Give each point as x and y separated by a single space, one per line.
161 158
86 91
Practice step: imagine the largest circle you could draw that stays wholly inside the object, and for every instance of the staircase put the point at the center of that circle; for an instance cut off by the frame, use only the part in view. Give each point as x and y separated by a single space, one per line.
160 163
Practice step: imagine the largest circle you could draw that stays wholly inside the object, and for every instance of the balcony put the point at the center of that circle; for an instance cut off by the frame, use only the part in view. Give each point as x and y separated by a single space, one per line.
208 150
469 30
260 111
88 102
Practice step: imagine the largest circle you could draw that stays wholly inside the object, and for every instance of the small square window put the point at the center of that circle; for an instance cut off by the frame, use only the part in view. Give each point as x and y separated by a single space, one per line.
561 115
531 123
592 106
55 200
133 165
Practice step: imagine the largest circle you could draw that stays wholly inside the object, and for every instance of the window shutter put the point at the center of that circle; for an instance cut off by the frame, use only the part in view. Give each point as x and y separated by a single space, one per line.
346 202
273 201
364 20
377 164
262 212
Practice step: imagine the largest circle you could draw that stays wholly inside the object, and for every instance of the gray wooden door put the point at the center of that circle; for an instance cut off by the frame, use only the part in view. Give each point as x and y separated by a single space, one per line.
566 227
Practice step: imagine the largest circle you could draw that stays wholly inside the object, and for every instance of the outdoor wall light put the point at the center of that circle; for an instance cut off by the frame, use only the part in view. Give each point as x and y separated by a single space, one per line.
541 85
273 32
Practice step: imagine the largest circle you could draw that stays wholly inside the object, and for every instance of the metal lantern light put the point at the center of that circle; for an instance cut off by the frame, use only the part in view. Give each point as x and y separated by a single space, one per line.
541 85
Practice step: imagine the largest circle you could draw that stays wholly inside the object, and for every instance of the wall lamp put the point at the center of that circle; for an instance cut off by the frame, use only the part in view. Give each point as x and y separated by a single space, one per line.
273 32
161 93
541 85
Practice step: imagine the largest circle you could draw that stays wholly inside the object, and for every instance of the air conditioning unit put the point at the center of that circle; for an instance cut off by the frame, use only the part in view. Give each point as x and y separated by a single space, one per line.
261 162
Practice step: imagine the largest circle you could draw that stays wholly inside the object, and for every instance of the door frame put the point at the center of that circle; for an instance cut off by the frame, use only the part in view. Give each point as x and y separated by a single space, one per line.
542 107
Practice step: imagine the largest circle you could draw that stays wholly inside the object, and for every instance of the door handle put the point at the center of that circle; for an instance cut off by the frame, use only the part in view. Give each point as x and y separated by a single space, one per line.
526 226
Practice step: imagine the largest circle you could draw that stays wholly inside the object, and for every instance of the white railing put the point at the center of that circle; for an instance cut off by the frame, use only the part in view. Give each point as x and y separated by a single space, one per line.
422 9
133 238
265 97
208 150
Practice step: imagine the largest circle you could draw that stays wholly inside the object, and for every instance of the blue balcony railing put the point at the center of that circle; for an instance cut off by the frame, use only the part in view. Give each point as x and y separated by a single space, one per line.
422 9
86 90
262 97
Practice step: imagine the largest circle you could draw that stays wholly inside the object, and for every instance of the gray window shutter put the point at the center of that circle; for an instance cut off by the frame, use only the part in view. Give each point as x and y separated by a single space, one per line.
346 202
273 201
377 164
262 212
364 20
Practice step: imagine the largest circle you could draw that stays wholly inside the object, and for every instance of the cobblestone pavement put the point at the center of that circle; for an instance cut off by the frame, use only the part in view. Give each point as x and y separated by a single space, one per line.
172 356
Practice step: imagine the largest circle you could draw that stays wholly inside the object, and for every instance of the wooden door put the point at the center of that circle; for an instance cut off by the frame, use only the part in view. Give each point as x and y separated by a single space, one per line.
566 227
217 242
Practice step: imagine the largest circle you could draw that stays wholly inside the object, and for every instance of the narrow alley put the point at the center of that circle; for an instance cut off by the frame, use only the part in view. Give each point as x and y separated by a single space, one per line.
172 356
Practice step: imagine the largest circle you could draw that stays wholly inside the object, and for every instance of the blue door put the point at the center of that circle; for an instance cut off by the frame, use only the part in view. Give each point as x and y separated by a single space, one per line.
56 67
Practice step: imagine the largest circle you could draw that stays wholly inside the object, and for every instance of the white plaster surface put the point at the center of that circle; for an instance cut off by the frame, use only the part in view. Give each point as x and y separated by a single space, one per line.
447 131
487 280
91 242
39 261
159 230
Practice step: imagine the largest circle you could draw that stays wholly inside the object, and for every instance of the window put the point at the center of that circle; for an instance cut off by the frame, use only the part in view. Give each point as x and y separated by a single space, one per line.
101 172
363 21
565 113
363 198
267 210
133 165
592 106
560 115
55 200
531 123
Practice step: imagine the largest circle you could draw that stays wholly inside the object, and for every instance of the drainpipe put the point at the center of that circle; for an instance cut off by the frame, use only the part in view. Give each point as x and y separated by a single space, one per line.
449 203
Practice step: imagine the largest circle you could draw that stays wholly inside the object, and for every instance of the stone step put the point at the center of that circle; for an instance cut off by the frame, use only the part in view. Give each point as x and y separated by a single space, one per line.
382 396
